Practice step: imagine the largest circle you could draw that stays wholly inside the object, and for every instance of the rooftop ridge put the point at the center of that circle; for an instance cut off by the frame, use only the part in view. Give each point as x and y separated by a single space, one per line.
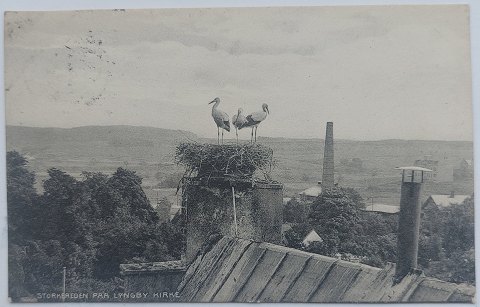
274 273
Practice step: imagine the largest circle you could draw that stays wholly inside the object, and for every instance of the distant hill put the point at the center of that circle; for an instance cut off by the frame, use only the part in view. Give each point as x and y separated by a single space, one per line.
299 162
98 149
96 141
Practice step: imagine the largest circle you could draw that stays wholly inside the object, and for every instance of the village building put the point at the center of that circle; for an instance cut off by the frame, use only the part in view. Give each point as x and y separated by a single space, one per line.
464 170
382 209
310 194
443 201
310 238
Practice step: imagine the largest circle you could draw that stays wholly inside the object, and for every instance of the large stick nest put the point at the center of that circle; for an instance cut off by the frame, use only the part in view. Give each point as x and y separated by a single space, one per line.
210 160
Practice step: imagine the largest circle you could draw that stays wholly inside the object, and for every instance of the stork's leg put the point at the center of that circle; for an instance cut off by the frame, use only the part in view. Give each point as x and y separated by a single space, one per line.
236 132
256 134
218 135
251 138
222 136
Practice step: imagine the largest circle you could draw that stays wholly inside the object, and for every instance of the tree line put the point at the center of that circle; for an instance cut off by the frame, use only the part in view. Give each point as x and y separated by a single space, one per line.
89 226
446 247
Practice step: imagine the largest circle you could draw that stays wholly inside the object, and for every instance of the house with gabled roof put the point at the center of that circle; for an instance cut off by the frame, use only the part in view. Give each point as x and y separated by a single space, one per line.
444 201
311 193
310 238
381 208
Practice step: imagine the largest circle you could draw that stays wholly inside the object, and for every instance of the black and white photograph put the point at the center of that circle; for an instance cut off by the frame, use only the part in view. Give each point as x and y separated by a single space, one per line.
281 154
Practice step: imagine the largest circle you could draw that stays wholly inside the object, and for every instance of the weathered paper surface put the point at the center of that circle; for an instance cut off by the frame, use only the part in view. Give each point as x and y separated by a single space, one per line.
100 201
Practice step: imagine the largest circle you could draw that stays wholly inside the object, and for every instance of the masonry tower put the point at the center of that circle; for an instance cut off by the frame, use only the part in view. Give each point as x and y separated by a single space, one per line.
328 161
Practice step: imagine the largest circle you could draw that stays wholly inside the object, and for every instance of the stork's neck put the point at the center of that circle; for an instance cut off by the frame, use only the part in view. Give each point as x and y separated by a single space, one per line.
216 105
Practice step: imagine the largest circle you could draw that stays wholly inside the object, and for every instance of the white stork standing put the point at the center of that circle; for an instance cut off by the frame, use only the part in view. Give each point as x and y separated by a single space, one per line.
221 119
238 121
254 119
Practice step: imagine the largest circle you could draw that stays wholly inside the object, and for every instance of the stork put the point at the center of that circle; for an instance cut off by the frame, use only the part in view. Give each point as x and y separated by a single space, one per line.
238 121
254 119
221 119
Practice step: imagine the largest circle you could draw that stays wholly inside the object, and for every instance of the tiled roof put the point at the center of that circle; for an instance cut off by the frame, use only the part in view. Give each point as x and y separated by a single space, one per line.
447 201
237 270
312 236
312 191
382 208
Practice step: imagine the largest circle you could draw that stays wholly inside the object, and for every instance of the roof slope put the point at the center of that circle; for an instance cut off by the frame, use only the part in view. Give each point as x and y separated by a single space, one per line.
447 200
237 270
312 191
312 236
382 208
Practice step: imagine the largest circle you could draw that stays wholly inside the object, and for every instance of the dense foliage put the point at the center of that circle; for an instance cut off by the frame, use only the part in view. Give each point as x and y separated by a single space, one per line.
89 226
446 248
350 232
295 211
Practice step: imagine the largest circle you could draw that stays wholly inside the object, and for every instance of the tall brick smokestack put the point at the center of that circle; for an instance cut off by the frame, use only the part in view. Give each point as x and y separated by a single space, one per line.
328 162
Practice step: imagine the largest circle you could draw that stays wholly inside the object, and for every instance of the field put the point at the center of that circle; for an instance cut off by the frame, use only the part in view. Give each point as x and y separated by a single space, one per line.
149 151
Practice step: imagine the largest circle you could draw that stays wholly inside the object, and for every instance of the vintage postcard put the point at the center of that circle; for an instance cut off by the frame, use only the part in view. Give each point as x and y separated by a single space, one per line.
272 154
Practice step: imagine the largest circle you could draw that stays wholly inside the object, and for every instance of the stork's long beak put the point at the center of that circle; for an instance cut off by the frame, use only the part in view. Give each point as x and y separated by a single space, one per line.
268 112
212 101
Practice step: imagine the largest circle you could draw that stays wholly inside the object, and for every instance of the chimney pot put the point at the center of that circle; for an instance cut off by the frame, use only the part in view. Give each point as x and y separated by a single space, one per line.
409 221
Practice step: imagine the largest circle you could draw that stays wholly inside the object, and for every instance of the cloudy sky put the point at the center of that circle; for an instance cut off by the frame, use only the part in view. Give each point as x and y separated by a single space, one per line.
376 72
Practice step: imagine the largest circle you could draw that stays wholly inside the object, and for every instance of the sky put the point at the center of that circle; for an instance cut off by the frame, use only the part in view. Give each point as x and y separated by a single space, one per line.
377 72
